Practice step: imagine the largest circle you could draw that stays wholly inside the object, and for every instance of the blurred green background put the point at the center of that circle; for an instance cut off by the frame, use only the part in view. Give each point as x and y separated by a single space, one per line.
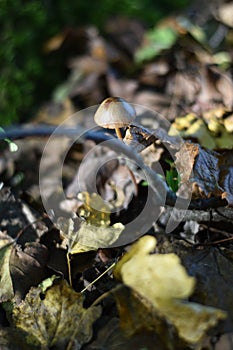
28 76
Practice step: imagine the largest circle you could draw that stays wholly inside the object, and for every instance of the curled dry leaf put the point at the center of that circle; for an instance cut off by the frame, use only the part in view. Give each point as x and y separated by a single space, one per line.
28 267
6 285
20 269
55 317
211 171
163 281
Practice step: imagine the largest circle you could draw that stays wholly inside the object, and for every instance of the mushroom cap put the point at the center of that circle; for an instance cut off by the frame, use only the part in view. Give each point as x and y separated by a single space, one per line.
114 112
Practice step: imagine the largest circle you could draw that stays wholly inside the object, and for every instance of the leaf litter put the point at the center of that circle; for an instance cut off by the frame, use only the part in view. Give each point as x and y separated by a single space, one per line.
173 294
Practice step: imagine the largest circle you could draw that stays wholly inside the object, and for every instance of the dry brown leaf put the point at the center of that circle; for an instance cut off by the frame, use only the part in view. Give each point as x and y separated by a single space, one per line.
6 285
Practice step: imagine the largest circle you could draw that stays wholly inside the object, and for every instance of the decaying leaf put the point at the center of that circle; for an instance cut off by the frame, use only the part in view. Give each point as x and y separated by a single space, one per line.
56 317
211 171
28 267
6 285
20 268
213 270
137 317
162 280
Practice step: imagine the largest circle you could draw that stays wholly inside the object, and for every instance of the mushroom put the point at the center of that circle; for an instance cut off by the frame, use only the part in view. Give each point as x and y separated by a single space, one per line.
115 113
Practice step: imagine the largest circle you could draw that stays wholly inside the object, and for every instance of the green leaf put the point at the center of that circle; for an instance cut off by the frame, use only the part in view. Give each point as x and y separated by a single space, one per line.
173 178
13 147
157 40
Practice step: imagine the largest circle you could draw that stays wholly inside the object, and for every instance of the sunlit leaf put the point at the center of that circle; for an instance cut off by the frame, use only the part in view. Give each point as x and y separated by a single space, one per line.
94 209
189 126
162 280
88 237
93 237
212 172
171 278
213 131
94 230
56 317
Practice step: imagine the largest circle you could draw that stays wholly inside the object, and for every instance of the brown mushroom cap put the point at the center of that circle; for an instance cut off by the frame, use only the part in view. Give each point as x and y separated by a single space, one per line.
114 112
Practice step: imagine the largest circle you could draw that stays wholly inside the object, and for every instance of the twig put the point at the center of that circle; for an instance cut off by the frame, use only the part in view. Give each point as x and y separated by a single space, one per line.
155 181
99 277
178 215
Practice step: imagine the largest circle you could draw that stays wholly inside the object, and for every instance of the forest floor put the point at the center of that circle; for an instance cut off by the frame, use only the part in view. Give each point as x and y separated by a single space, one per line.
124 244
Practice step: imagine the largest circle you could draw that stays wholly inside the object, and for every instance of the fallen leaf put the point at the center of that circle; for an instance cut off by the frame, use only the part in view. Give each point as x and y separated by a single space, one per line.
214 131
28 267
185 159
213 270
56 317
94 237
94 209
163 281
190 126
171 278
111 336
137 317
192 320
212 172
87 236
6 285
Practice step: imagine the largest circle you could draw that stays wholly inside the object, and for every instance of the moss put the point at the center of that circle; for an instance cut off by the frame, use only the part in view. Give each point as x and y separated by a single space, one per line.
25 27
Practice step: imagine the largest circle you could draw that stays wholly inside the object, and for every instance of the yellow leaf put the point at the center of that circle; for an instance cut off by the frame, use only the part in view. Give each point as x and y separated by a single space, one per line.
155 276
94 209
191 126
88 237
164 282
192 320
93 237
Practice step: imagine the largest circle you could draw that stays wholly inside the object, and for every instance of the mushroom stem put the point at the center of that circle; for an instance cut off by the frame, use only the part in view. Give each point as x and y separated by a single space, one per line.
134 182
119 134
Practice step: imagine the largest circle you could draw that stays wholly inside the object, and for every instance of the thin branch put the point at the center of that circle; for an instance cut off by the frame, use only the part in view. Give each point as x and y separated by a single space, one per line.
179 215
155 181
